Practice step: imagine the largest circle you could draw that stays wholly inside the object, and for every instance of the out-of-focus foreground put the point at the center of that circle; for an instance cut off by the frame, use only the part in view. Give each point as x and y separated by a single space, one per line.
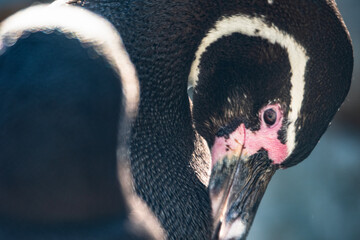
319 198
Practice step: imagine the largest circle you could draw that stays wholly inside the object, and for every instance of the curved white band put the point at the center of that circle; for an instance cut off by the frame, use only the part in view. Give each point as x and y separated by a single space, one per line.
83 25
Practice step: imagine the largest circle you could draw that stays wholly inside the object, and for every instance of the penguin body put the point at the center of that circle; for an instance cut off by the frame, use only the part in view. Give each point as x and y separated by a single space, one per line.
241 57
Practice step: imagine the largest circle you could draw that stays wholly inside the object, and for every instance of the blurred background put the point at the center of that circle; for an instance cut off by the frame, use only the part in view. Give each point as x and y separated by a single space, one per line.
320 197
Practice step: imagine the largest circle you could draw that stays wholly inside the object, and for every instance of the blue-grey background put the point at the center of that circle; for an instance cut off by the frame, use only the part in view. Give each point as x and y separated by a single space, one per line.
320 197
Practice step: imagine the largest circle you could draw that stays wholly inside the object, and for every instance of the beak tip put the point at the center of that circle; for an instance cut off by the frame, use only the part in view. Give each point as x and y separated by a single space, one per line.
234 230
236 187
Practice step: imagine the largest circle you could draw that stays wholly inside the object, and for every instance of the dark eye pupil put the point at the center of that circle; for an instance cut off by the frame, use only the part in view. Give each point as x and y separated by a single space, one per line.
270 117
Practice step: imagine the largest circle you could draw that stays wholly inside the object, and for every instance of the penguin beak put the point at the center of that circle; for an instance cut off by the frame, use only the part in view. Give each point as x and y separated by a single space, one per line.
237 185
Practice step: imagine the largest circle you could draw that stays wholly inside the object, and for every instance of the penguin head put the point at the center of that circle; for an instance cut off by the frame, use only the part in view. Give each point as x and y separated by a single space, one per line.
267 79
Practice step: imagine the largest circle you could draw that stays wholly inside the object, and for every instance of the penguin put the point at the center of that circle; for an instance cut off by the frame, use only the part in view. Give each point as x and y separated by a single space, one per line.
267 76
68 93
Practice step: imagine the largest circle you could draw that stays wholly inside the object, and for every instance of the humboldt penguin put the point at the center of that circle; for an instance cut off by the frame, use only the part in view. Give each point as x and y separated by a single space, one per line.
267 76
68 92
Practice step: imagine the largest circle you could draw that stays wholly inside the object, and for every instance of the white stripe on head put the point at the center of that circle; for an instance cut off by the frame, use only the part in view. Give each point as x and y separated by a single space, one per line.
59 2
257 27
88 28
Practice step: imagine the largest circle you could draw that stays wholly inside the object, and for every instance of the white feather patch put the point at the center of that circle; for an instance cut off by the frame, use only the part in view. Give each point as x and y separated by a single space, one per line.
235 231
297 55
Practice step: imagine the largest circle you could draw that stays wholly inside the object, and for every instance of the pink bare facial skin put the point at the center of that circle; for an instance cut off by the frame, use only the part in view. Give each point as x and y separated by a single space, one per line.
251 142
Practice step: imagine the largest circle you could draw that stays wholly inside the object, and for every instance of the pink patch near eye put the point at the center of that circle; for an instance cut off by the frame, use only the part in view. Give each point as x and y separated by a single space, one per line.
266 137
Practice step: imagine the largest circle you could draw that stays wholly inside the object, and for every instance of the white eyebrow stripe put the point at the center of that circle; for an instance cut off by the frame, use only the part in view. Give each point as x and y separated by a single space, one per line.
257 27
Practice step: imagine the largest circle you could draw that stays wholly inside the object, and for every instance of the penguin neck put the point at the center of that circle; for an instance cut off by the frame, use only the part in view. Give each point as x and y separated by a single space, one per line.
169 160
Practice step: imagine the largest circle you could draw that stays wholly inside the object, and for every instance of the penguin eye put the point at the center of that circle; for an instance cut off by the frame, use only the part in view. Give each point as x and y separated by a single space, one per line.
270 117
